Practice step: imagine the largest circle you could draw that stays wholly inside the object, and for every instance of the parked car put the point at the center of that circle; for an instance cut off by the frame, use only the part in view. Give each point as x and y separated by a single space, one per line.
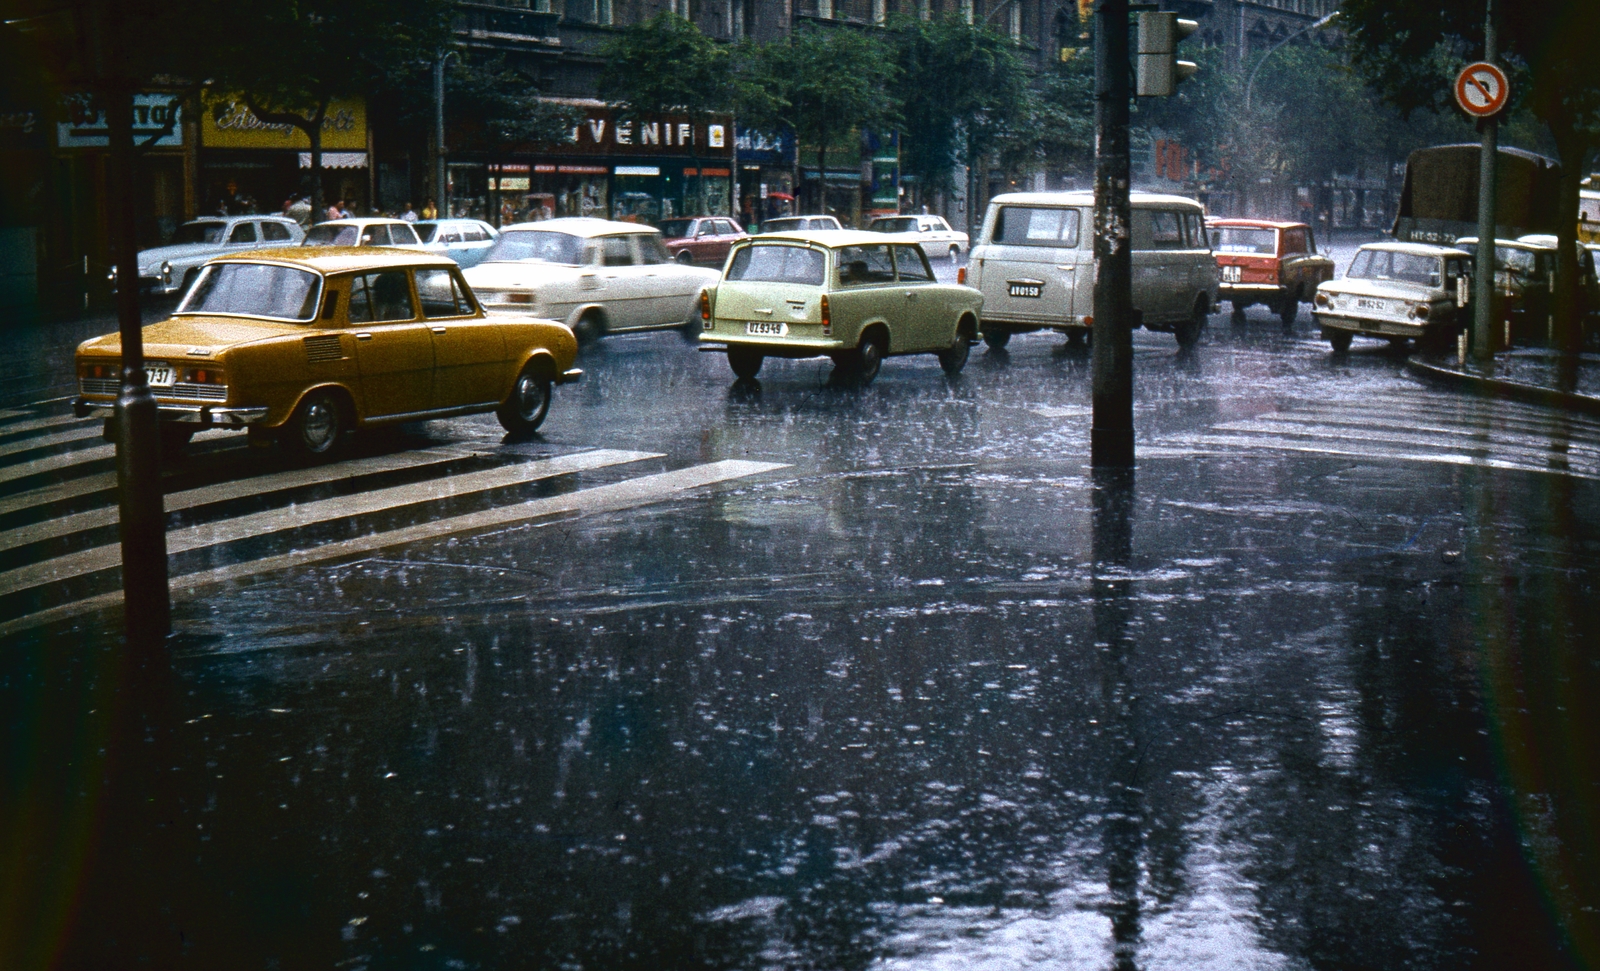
850 296
935 235
1034 262
798 224
307 345
171 268
595 275
1273 263
463 240
363 232
1524 277
1396 292
706 239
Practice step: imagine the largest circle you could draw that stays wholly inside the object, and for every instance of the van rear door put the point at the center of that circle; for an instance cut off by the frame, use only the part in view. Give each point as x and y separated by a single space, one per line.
1031 262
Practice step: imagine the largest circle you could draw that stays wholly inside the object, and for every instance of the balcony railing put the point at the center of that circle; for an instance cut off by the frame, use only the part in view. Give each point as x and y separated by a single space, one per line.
523 23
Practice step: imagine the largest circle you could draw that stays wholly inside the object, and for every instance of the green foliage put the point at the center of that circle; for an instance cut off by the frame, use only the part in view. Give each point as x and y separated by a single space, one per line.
824 84
963 94
499 107
665 64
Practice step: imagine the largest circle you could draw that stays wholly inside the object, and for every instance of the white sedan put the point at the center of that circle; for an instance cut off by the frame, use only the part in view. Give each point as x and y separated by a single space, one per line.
932 232
596 275
363 232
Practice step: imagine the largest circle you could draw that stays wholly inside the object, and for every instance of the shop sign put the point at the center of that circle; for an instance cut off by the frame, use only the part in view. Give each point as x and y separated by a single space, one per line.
228 123
602 133
153 114
765 147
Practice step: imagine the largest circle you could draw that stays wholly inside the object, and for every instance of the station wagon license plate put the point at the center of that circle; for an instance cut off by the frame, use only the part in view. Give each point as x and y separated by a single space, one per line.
1367 303
766 328
1025 289
158 374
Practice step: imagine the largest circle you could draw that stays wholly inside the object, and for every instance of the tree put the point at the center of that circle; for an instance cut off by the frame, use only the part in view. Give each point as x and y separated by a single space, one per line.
288 59
964 94
665 65
824 84
1410 53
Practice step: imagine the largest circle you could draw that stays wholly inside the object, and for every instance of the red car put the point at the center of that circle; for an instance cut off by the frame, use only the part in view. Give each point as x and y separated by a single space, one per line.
1273 263
705 239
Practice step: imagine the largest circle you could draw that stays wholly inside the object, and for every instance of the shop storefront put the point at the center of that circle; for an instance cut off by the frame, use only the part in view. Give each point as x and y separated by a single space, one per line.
247 165
641 169
766 175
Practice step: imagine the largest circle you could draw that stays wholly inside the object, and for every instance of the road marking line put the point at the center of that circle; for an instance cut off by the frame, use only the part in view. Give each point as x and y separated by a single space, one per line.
45 441
11 413
42 423
1507 449
223 491
607 498
270 521
56 493
1444 458
52 463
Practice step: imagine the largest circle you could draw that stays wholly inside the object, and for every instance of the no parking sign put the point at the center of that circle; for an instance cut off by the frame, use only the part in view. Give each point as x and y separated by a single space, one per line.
1481 89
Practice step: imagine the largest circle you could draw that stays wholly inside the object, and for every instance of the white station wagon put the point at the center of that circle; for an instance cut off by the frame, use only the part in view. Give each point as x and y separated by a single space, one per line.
595 275
1396 292
171 268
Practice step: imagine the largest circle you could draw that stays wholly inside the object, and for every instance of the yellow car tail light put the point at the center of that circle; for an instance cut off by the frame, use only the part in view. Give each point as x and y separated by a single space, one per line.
98 371
827 318
208 375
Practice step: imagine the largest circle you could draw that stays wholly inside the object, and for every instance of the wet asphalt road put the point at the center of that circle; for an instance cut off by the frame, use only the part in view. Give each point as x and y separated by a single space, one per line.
1312 688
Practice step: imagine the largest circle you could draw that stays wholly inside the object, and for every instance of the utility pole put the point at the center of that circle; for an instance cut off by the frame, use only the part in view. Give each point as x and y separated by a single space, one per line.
441 175
1483 276
1111 430
142 522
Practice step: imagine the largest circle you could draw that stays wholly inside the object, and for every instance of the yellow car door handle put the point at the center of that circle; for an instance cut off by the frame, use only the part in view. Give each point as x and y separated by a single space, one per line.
363 337
437 330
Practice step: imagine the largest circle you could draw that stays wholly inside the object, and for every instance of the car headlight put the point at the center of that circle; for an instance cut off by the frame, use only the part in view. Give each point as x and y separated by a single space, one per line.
1322 300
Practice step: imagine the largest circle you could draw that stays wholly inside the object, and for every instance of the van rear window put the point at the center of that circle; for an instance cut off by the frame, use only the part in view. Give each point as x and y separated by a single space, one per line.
1033 226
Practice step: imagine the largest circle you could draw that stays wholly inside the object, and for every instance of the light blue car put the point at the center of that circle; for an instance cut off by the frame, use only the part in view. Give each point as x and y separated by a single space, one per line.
463 240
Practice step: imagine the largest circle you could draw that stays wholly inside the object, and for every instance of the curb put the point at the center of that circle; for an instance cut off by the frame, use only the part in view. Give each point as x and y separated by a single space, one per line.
1510 390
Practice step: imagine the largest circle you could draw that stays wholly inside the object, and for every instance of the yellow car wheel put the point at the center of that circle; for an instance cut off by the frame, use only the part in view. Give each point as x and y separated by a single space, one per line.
525 408
318 428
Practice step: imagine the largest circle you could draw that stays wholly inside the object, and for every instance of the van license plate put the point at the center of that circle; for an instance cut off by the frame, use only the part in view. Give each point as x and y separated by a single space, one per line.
766 328
1025 289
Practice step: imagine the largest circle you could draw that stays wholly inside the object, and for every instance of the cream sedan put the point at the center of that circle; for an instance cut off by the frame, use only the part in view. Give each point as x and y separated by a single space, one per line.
595 275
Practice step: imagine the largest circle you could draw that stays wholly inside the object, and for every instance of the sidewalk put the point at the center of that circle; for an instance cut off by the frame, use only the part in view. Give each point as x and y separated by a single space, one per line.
1532 375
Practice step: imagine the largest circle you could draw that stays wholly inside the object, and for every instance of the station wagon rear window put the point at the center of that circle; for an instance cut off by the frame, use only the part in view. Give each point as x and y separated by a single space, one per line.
1029 226
778 264
254 290
1245 240
1387 265
543 245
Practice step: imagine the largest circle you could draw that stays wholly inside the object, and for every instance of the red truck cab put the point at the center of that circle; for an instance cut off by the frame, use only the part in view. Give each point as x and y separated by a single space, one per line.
1267 262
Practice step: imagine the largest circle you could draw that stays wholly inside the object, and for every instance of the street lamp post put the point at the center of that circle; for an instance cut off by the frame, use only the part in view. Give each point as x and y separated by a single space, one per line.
441 173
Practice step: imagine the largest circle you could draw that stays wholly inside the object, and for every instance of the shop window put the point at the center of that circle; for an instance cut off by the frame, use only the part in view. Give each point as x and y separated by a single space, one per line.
243 233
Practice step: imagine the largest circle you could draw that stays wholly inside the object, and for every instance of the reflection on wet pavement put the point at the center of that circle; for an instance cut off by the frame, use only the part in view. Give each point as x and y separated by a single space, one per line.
1302 692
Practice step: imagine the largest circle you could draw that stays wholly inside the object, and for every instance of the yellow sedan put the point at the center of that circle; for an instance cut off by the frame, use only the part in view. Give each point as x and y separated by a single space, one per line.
307 346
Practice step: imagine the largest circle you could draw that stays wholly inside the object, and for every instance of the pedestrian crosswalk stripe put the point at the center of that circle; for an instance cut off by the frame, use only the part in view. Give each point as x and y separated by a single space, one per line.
1367 434
224 491
607 498
46 441
20 427
279 520
54 463
1225 447
46 495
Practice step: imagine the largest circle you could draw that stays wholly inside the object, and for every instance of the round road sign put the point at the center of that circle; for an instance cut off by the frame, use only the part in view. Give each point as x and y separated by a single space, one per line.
1481 89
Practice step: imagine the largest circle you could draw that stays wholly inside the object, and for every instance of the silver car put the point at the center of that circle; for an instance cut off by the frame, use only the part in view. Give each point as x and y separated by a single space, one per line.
171 268
463 240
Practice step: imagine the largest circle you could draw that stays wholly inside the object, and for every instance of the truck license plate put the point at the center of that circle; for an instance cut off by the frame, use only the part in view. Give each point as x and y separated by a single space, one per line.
766 328
158 374
1025 289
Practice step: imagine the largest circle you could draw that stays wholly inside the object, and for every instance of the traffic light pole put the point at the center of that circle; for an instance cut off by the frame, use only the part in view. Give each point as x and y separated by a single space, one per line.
1111 430
1483 272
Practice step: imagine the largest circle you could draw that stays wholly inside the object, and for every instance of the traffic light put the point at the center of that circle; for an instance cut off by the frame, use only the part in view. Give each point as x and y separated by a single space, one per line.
1159 67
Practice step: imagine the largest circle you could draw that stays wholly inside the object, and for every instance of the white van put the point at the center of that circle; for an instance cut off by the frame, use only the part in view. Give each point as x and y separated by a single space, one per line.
1034 262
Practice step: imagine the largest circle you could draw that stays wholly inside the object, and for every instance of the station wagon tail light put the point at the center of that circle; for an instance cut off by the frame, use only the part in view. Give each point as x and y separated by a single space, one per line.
961 276
1321 300
705 310
827 318
203 375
